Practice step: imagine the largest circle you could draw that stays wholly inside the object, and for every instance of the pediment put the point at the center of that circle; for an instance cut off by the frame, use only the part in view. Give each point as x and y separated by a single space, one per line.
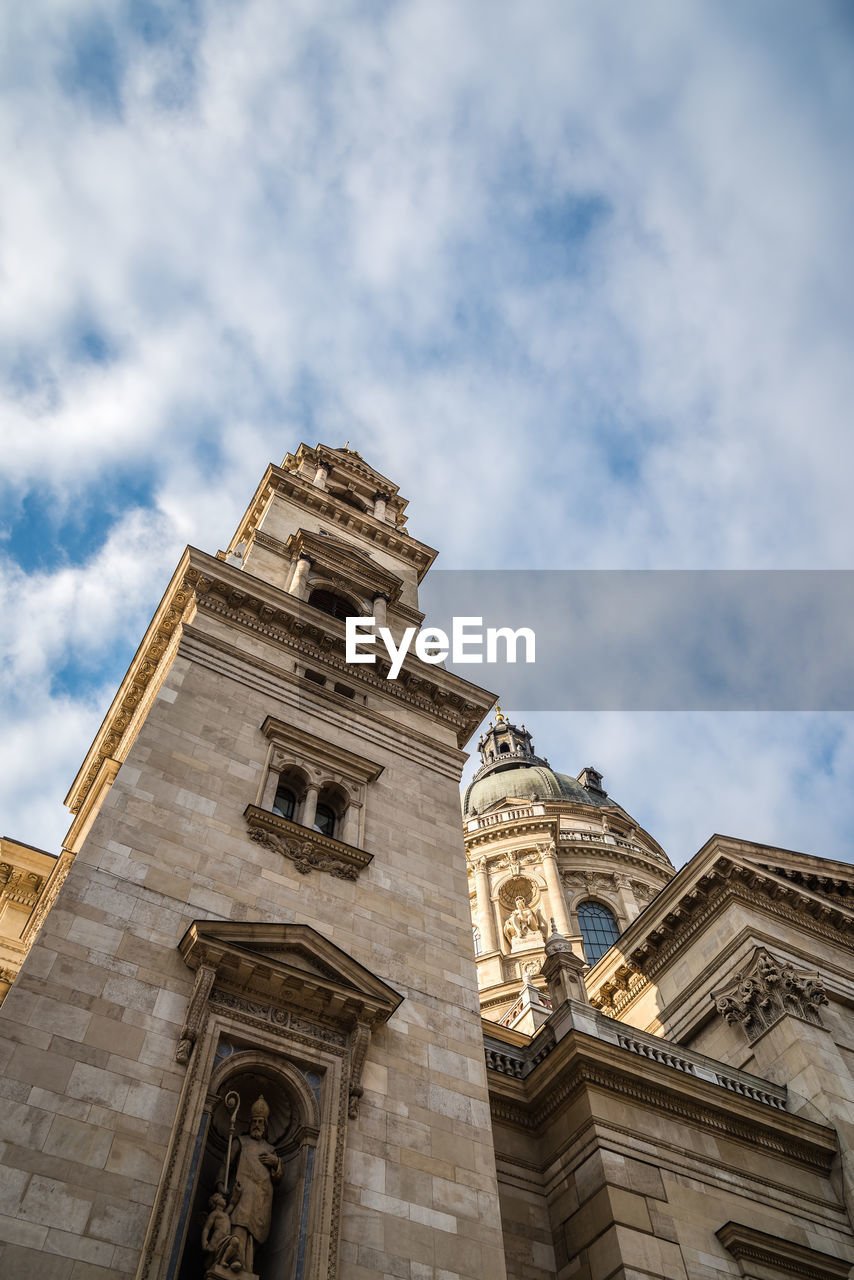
290 965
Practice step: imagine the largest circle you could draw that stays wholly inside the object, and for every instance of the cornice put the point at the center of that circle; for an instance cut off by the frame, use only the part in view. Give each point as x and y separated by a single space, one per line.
287 687
115 733
333 554
49 894
580 1061
354 462
202 581
241 599
322 751
291 966
784 1256
303 493
645 956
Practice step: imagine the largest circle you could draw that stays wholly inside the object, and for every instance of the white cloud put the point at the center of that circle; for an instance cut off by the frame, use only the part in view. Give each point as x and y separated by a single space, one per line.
336 235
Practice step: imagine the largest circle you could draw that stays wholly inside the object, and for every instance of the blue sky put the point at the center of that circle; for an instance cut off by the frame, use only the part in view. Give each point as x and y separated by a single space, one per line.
583 266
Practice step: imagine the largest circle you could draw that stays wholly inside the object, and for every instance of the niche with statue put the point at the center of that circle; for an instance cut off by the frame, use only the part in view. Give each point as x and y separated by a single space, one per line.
253 1185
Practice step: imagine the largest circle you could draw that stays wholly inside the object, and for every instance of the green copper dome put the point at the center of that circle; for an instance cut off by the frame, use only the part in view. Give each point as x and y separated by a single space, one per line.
528 782
511 770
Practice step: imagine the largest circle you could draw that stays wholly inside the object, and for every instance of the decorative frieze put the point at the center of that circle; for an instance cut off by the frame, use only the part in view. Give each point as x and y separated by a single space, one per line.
766 990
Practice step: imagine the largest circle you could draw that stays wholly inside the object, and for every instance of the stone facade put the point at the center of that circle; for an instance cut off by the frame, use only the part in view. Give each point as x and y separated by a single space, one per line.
247 1039
29 881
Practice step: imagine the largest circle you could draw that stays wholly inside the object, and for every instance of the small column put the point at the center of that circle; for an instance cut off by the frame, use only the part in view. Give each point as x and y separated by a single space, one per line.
380 500
381 610
299 579
350 825
309 807
628 901
485 913
321 475
555 888
271 786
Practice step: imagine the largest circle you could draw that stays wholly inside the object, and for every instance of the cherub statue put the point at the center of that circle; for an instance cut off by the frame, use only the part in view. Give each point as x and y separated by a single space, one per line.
219 1243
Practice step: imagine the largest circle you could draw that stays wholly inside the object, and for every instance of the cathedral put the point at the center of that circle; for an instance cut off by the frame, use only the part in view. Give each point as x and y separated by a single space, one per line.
279 1010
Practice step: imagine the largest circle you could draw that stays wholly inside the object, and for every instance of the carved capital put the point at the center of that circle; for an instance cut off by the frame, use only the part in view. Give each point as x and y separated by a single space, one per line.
768 989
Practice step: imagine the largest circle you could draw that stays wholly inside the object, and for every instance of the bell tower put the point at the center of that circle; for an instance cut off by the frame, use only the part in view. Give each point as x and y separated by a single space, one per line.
266 899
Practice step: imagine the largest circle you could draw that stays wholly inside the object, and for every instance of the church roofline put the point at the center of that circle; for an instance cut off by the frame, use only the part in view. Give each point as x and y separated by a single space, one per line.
321 501
723 865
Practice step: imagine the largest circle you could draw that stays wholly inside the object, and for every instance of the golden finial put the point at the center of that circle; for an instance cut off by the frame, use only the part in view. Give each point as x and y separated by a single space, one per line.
499 717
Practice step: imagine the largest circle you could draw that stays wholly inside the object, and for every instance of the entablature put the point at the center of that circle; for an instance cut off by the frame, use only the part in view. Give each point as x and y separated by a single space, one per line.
325 504
530 1084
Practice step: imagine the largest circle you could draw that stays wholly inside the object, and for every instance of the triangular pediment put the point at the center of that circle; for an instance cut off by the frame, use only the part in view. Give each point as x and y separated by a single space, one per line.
290 964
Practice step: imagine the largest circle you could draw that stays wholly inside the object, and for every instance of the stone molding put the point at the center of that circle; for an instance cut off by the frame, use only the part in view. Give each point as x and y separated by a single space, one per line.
305 746
326 505
767 989
578 1061
115 734
249 602
667 936
333 556
292 967
281 685
747 1245
307 850
203 581
285 997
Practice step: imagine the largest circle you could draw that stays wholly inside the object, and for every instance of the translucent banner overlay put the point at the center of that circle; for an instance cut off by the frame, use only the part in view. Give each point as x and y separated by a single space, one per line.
610 640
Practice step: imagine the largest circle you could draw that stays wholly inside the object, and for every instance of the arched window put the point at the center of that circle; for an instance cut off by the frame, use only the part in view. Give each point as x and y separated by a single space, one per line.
598 929
324 820
329 602
285 803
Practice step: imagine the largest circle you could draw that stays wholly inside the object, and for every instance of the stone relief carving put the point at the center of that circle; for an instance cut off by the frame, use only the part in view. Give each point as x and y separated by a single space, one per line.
767 989
359 1048
515 861
305 855
518 886
196 1012
592 881
642 891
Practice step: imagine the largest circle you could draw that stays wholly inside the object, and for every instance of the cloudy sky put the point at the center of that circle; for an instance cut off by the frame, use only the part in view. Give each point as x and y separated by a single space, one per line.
577 275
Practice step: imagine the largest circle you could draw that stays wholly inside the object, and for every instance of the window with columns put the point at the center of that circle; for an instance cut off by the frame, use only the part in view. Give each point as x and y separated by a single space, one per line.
314 784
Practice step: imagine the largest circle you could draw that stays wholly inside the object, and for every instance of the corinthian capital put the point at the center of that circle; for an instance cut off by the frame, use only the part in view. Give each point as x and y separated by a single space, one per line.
767 989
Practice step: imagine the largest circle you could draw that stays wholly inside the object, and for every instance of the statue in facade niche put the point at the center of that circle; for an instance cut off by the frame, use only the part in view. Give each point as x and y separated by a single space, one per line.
521 923
250 1207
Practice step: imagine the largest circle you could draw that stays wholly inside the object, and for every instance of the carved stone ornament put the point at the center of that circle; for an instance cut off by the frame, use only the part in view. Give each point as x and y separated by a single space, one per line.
766 990
518 886
196 1011
307 850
